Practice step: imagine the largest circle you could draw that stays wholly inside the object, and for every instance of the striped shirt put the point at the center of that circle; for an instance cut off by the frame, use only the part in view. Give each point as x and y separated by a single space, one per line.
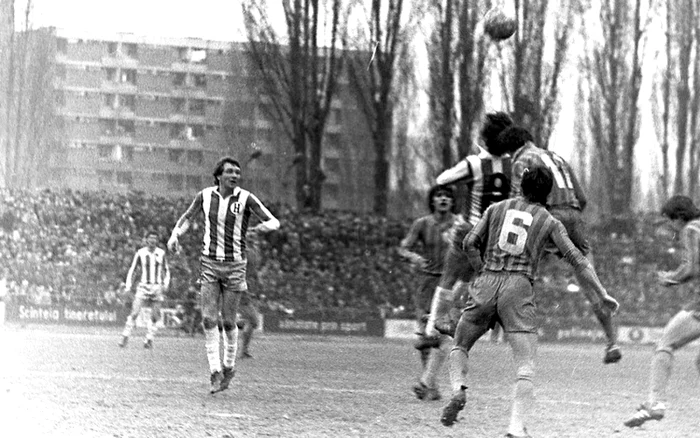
434 236
153 264
514 233
488 177
226 223
564 190
690 265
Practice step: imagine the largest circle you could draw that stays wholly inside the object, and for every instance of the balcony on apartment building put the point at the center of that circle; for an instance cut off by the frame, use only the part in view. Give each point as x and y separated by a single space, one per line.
121 55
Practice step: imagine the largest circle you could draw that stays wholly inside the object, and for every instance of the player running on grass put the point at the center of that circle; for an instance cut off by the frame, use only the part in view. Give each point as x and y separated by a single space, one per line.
431 232
512 235
684 218
155 279
226 210
566 202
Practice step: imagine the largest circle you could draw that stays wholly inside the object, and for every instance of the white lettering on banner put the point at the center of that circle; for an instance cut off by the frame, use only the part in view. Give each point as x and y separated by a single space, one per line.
90 315
579 333
292 324
353 326
43 314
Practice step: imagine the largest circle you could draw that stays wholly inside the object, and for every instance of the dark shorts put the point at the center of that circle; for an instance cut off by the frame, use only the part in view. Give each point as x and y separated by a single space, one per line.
423 296
456 264
572 219
504 297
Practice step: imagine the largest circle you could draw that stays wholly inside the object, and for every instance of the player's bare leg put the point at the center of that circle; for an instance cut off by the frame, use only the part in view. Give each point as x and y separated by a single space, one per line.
682 329
246 337
131 321
427 387
231 299
210 299
524 346
466 335
152 324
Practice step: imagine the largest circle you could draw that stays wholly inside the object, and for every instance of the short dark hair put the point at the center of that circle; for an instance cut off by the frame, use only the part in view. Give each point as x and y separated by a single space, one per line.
513 138
437 189
219 168
536 184
493 125
680 207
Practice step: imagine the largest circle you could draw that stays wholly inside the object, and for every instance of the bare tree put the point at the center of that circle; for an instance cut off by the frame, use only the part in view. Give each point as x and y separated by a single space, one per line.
613 68
533 84
7 32
297 79
373 81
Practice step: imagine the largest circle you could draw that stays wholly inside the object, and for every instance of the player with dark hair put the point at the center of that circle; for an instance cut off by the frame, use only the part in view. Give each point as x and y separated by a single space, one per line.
566 202
155 279
431 232
226 210
512 236
683 217
487 175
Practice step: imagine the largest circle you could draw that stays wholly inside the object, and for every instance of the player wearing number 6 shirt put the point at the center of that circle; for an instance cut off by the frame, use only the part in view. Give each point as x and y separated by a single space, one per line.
226 210
155 279
512 235
566 202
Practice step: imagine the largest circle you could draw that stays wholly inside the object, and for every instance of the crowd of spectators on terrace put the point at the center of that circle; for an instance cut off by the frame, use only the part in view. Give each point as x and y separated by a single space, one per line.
67 246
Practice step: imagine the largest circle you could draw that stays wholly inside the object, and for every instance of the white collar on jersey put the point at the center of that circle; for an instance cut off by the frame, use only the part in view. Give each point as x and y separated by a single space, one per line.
236 190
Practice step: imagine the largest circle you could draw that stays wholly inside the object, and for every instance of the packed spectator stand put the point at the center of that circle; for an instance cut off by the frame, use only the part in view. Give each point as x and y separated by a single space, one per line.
68 246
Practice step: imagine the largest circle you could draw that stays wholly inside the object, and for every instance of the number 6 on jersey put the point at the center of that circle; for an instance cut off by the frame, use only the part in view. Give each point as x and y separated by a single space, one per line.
514 235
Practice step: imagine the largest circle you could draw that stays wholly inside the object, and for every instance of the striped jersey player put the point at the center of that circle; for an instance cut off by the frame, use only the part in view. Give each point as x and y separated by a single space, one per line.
155 279
227 211
505 247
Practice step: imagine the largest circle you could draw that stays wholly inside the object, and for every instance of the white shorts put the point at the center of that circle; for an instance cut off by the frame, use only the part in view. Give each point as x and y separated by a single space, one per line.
151 292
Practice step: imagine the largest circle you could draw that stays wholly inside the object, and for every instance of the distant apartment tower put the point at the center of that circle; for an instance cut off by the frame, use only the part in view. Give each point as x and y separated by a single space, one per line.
154 115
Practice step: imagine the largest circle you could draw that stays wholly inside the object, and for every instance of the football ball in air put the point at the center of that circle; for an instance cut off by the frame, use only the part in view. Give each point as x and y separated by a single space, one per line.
498 25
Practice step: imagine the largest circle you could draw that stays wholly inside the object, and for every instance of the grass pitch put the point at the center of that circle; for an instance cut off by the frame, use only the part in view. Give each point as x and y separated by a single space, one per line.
63 382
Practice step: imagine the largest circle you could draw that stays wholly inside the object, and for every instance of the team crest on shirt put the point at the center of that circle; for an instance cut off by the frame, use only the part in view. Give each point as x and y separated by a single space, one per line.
236 208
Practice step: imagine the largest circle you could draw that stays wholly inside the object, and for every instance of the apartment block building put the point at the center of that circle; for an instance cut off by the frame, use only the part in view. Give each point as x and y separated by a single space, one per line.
155 114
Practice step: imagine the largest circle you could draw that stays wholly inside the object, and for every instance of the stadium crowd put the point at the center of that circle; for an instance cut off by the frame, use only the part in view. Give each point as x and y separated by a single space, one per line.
68 246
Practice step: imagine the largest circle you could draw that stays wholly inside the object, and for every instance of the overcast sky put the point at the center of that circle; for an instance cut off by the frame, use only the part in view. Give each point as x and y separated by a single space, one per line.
208 19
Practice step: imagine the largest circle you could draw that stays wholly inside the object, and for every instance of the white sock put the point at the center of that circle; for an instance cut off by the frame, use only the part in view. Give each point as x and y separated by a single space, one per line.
435 361
441 303
129 326
230 348
522 405
211 342
152 328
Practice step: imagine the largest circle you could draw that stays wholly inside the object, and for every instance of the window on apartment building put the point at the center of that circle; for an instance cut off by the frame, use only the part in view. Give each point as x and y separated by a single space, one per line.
174 182
125 178
112 48
175 155
126 126
183 53
128 101
195 157
62 45
199 80
196 132
105 150
193 182
128 76
177 131
128 153
111 74
105 177
331 165
198 56
131 50
336 116
110 100
107 126
197 106
179 79
178 104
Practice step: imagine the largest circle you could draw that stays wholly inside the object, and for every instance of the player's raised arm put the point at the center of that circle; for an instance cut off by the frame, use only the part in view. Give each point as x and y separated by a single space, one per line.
459 172
166 277
267 221
474 241
183 223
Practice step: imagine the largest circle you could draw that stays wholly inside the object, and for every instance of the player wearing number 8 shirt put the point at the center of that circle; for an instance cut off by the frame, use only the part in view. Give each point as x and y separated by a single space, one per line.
512 235
566 202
